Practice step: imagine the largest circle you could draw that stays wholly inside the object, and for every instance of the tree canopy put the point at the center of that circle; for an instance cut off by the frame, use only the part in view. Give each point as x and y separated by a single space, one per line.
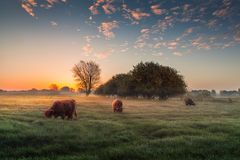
145 79
53 87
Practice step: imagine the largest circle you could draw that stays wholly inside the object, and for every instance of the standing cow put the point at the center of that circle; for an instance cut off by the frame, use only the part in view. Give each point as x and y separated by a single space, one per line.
62 108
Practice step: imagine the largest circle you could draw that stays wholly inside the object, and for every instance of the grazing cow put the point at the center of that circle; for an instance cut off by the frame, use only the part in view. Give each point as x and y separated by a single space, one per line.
189 101
62 108
117 105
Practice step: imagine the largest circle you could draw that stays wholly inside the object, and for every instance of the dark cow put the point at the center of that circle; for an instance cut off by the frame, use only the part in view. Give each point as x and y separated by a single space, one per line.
62 108
117 105
189 102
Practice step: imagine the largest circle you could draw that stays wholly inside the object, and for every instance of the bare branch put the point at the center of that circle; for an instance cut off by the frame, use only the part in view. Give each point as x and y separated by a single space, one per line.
87 75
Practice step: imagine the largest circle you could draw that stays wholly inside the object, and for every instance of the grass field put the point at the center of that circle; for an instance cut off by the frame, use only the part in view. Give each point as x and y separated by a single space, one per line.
146 130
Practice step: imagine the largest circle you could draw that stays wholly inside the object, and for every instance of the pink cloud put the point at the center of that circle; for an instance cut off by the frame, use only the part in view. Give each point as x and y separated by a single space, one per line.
221 12
200 43
138 15
32 2
104 54
172 45
177 54
185 33
108 8
164 24
93 9
144 30
106 29
134 15
159 44
101 1
28 6
156 10
127 13
50 3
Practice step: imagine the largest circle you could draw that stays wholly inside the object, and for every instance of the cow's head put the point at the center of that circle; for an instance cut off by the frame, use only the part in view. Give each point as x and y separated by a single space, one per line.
49 113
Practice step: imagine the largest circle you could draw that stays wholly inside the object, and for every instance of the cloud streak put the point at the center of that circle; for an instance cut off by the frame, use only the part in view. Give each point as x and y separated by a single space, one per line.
138 15
28 6
156 10
203 25
104 54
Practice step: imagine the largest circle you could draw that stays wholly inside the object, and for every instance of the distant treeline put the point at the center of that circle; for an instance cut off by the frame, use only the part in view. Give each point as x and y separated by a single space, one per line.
147 80
33 91
230 93
206 93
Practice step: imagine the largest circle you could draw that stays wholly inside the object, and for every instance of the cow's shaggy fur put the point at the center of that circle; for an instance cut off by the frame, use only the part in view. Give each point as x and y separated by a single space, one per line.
62 108
117 105
189 102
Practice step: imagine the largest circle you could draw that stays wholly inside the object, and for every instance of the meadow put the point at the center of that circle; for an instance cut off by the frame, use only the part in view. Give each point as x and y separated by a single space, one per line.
146 130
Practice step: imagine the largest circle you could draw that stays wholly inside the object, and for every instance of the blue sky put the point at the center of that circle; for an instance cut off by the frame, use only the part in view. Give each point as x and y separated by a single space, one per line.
42 39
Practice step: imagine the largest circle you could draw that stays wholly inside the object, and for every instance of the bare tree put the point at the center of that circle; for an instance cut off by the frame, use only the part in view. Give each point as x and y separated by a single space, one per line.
87 75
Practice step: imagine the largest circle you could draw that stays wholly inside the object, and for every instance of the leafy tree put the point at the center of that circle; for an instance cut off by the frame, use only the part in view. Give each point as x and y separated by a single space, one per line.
120 84
153 79
53 87
65 89
213 93
87 75
147 79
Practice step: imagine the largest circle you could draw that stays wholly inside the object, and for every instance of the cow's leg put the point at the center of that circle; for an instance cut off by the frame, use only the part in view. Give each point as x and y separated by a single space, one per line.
75 113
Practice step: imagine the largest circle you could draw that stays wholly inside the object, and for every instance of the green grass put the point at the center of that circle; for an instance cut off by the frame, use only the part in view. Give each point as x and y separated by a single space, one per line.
146 130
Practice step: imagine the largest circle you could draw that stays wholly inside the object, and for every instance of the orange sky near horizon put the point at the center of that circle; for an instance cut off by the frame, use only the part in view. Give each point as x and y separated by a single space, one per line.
39 46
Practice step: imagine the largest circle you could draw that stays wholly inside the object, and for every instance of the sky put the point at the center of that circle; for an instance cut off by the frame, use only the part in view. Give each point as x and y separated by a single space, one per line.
41 40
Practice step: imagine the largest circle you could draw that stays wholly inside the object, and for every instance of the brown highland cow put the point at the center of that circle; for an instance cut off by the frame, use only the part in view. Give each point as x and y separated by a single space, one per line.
62 108
117 105
189 102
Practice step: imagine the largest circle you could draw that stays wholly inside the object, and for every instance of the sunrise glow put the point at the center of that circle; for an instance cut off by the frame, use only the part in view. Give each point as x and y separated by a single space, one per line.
42 40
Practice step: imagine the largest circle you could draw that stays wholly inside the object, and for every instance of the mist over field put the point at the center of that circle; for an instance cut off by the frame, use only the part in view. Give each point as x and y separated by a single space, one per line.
147 129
